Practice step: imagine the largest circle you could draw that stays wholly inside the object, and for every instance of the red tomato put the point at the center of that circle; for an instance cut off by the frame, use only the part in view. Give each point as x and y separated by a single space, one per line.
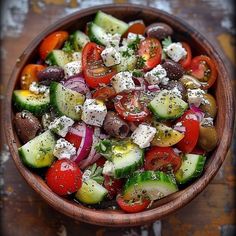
129 107
74 139
161 158
132 207
104 93
203 68
51 42
95 72
101 161
29 75
113 186
136 28
64 177
188 115
150 50
185 62
191 135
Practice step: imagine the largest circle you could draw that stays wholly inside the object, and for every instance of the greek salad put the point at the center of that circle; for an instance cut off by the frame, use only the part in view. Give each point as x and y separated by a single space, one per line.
119 113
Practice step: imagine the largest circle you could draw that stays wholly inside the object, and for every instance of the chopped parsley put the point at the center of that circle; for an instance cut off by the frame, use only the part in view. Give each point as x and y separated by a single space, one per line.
166 42
126 53
134 45
140 62
137 73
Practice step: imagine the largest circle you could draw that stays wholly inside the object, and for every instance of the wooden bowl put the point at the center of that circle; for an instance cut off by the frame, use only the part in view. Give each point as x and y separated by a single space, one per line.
163 207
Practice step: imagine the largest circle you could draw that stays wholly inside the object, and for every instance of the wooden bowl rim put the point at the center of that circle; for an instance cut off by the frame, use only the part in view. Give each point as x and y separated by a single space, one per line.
108 217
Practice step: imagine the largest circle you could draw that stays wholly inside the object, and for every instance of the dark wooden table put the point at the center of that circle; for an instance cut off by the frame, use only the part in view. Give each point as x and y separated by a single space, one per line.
24 213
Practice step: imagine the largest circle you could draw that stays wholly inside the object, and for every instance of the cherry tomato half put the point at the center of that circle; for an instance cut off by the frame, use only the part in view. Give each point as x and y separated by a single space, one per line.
185 62
51 42
104 93
138 27
29 75
134 206
74 139
150 50
113 186
95 72
191 135
129 106
203 68
162 158
64 177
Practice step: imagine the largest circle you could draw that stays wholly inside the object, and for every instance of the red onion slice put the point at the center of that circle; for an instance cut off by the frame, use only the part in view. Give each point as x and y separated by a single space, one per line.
153 88
198 112
181 129
86 132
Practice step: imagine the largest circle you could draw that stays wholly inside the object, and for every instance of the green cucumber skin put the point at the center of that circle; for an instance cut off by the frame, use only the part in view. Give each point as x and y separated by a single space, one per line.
25 160
79 44
150 176
196 173
123 27
127 171
52 60
34 109
91 35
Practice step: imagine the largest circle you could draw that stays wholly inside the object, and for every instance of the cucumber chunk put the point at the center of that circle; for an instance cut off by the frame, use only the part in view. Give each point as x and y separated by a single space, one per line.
151 184
110 24
38 152
91 192
192 167
127 63
165 136
64 100
35 103
80 39
58 58
166 105
97 34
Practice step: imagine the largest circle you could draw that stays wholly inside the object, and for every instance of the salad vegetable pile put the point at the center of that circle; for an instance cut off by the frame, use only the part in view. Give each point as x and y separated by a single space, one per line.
118 114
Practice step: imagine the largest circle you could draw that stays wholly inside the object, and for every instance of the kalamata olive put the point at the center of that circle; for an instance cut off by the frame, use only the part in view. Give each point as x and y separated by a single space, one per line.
209 107
159 30
190 82
207 138
175 85
27 125
51 73
174 70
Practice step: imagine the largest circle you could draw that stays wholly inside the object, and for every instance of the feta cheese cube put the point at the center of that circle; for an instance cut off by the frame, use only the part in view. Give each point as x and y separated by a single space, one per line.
61 125
72 68
156 75
143 135
175 51
110 56
195 96
132 37
122 82
207 122
94 112
38 88
64 149
77 56
176 92
108 168
113 40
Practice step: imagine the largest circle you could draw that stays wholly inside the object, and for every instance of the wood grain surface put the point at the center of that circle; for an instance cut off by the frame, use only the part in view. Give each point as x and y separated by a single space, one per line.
23 212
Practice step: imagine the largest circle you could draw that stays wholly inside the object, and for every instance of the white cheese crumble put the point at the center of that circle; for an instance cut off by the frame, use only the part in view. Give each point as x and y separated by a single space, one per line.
207 122
175 51
110 56
78 108
176 92
143 135
72 68
86 175
113 40
77 56
132 37
61 125
38 88
122 82
195 96
157 75
108 168
94 112
64 149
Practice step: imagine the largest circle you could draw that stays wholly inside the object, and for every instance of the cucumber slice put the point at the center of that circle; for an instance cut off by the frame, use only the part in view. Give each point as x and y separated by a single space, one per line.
38 152
110 24
80 39
127 63
166 105
192 167
64 100
58 58
166 136
35 103
126 158
97 34
91 192
151 184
